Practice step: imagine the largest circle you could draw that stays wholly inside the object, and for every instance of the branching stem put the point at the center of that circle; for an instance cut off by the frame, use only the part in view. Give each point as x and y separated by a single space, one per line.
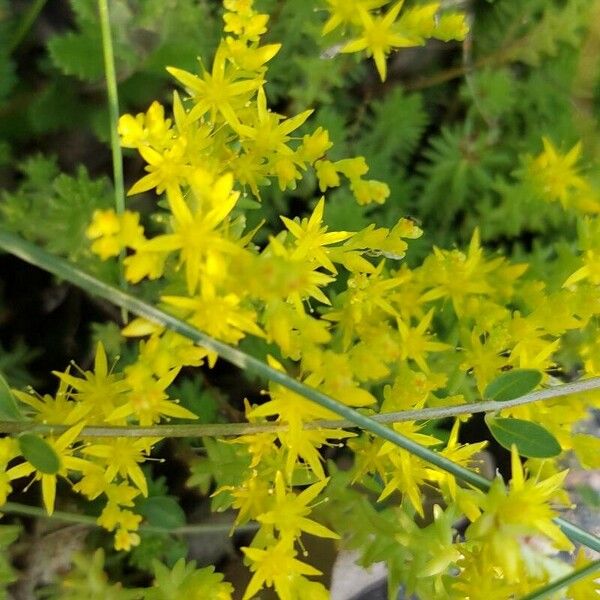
235 429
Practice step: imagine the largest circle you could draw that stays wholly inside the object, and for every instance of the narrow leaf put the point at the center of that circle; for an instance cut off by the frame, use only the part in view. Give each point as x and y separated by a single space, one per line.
162 511
532 440
39 453
512 384
9 410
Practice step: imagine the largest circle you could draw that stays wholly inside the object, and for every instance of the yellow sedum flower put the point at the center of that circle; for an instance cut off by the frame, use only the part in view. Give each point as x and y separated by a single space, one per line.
377 34
277 567
511 513
63 448
288 513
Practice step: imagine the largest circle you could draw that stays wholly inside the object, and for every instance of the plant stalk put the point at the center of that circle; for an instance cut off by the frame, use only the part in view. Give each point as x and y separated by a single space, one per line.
113 111
234 429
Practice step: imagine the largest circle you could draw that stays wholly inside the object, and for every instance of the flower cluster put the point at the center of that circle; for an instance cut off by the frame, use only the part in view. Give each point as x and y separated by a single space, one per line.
377 33
340 310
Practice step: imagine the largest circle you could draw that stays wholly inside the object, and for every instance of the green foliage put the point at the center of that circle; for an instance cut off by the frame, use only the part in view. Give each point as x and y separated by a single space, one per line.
512 384
154 546
8 77
159 509
8 405
39 453
532 440
14 361
53 208
147 35
8 575
88 579
185 580
530 31
224 464
390 138
194 396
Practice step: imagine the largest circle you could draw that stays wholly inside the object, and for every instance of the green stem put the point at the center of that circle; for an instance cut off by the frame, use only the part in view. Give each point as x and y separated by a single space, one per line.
67 517
33 511
235 429
548 590
25 25
63 269
113 110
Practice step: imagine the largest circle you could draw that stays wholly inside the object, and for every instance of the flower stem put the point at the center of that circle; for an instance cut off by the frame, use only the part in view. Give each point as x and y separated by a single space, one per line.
68 517
548 590
113 111
235 429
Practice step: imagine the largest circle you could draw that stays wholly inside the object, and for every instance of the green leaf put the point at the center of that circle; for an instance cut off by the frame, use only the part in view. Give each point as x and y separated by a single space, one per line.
512 384
78 54
532 440
162 511
9 410
39 453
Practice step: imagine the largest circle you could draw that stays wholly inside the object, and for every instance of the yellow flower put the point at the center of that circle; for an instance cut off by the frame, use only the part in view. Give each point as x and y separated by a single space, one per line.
557 175
327 174
416 343
589 271
312 237
124 539
522 509
345 12
166 168
293 410
271 131
224 318
275 567
121 457
196 235
8 451
378 36
97 393
315 145
289 511
147 401
218 92
146 129
407 473
62 446
112 232
369 190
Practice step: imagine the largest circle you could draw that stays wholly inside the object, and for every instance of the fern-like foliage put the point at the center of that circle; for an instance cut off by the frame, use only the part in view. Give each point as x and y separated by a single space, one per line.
53 208
529 32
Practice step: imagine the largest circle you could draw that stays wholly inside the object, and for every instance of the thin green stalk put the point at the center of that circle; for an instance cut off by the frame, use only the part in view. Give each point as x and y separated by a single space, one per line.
33 511
113 104
68 517
235 429
65 270
27 21
113 111
558 584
